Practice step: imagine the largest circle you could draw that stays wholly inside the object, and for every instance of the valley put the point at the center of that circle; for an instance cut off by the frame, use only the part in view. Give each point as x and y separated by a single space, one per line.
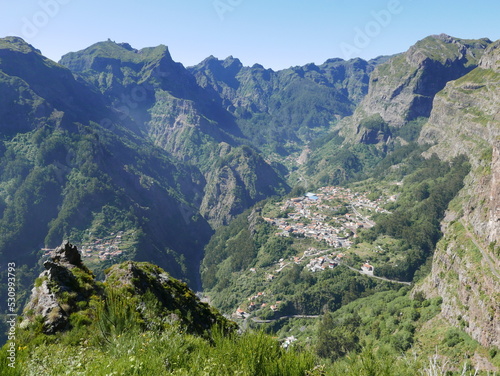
348 209
328 222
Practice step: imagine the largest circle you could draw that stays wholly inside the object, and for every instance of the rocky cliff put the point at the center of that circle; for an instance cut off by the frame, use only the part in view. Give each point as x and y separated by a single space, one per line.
466 267
403 88
172 110
64 286
67 293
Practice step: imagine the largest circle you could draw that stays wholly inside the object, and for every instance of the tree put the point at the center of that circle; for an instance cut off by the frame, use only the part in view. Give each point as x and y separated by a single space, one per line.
336 338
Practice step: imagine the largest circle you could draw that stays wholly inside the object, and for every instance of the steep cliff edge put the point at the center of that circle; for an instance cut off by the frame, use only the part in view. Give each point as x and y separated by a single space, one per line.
466 268
403 88
173 111
66 295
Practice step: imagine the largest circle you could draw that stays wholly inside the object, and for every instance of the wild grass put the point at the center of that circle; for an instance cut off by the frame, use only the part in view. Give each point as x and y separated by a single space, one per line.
169 353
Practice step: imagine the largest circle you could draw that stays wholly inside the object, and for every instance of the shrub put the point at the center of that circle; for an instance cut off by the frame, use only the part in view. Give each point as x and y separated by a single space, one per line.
116 315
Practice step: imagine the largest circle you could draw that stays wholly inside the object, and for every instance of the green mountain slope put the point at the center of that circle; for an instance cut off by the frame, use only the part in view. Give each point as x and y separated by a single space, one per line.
465 270
399 100
174 112
71 170
291 105
443 94
403 88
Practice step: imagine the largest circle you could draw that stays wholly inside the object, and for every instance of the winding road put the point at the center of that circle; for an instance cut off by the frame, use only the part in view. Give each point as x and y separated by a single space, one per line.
376 277
260 321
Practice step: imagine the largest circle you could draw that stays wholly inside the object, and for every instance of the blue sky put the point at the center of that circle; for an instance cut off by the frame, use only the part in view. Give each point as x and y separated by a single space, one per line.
275 33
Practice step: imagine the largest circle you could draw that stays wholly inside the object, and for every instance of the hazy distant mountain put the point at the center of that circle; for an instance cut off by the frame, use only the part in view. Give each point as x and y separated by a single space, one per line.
273 108
70 168
173 111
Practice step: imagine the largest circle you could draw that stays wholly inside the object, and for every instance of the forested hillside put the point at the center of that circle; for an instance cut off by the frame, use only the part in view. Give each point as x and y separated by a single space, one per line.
347 209
67 174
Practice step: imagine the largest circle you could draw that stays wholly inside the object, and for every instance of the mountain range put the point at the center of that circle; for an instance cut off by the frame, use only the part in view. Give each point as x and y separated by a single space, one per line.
132 156
131 138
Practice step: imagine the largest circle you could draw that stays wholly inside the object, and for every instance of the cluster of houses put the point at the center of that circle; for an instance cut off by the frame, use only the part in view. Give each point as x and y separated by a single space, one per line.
324 262
308 215
256 302
356 199
318 216
105 248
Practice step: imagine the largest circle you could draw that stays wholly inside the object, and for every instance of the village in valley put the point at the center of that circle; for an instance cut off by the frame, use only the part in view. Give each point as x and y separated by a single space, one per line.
331 217
104 248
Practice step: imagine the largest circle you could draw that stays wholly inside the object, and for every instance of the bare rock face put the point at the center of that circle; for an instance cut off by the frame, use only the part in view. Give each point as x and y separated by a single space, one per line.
466 266
403 88
66 255
44 303
491 60
58 289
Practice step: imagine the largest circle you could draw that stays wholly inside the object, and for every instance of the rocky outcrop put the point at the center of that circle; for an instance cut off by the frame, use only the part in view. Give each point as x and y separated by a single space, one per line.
403 89
466 266
58 289
175 298
67 286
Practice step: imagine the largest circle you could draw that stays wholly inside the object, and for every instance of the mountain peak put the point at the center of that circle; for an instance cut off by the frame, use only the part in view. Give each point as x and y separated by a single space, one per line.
214 63
109 52
17 44
231 62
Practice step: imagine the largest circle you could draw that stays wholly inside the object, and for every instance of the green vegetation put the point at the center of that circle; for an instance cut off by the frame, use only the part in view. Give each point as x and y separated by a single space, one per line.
440 49
76 192
387 318
249 242
170 352
366 337
286 109
156 92
145 322
410 131
147 177
415 217
375 123
128 332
